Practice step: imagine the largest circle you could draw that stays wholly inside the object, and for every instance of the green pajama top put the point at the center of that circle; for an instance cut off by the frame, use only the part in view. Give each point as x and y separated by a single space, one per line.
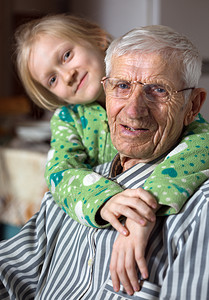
81 140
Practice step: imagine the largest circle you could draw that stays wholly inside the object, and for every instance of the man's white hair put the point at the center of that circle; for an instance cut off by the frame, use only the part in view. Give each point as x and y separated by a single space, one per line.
171 45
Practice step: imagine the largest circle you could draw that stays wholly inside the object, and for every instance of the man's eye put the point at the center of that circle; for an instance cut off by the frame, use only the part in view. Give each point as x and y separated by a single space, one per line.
66 56
160 90
156 90
123 85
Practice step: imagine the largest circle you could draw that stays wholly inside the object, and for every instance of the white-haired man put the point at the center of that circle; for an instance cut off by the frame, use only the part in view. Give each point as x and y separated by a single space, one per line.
54 257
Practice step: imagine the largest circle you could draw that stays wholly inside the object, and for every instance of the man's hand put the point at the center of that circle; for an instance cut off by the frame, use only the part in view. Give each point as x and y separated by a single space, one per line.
128 255
135 204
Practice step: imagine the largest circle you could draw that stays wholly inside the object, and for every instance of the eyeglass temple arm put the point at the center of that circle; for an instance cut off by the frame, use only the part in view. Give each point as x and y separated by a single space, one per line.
186 89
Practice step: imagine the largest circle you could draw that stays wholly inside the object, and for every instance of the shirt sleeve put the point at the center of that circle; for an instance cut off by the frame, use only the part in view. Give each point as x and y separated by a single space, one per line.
187 258
184 169
78 190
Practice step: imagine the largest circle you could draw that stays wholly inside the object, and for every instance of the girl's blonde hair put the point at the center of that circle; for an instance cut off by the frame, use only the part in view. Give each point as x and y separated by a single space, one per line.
60 25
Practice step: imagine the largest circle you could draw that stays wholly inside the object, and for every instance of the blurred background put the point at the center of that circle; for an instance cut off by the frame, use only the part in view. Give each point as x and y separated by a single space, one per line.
24 128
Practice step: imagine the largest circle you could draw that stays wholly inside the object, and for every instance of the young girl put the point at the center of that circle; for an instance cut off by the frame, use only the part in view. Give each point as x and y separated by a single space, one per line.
60 60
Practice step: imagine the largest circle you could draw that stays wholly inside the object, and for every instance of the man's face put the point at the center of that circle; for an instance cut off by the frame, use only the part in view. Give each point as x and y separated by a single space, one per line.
139 128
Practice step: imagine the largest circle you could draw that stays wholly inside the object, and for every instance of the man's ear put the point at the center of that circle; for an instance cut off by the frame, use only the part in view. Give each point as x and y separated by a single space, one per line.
194 105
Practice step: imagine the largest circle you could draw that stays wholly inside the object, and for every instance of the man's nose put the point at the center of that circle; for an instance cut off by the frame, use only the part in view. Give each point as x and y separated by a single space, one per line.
137 104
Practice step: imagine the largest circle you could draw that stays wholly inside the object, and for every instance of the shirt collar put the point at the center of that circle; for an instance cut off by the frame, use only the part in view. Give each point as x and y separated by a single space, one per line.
116 169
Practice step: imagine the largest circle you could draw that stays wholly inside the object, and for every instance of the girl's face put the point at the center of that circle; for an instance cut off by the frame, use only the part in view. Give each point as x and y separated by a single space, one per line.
69 70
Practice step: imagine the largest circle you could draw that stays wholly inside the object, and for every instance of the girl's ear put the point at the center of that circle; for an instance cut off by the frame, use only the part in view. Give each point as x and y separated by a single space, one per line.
195 104
103 44
104 40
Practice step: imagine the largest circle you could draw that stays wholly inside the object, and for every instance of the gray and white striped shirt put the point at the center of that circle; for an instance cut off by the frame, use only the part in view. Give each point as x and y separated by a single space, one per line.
54 257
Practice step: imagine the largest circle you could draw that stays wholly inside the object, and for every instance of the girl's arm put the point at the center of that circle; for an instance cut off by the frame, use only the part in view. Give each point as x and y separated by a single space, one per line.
183 170
79 135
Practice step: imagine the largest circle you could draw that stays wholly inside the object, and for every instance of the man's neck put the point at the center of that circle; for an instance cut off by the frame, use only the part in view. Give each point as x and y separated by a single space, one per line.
128 163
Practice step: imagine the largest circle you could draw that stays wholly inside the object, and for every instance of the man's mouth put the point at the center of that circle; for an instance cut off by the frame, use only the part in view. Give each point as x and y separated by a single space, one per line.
134 129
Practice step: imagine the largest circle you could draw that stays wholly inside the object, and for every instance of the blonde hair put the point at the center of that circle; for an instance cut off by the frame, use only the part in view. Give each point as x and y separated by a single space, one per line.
60 25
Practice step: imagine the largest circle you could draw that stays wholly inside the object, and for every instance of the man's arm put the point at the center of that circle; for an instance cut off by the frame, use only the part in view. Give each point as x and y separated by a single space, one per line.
187 243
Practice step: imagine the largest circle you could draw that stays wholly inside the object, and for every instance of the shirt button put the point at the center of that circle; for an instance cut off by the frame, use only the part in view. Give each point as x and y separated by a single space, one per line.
105 125
90 262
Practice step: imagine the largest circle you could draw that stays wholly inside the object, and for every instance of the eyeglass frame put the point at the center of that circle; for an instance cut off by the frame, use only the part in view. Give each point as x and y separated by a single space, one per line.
134 82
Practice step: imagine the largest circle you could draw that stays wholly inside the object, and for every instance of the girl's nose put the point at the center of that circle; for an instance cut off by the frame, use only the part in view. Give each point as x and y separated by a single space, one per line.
69 76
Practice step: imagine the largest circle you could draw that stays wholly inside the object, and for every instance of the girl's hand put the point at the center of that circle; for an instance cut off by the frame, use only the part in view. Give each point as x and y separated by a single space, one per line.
128 255
135 204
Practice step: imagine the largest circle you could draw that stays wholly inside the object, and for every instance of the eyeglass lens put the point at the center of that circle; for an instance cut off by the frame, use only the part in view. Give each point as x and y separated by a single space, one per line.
124 89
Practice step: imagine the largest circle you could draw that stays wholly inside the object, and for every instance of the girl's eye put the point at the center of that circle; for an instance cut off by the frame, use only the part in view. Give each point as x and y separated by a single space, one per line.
52 81
66 56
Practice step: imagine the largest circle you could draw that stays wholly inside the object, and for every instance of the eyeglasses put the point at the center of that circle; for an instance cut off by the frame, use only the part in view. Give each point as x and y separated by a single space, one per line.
123 89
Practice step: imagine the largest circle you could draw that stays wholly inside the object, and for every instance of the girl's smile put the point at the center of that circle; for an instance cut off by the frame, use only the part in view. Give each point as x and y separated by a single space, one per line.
69 70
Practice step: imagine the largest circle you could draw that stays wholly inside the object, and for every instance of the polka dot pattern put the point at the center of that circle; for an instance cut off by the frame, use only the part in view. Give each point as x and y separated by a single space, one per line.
183 170
80 140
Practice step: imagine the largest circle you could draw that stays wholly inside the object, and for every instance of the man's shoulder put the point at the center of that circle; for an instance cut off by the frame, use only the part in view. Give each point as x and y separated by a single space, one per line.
192 212
103 169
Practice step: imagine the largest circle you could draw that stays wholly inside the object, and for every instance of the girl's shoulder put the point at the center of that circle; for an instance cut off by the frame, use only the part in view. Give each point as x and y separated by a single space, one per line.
71 112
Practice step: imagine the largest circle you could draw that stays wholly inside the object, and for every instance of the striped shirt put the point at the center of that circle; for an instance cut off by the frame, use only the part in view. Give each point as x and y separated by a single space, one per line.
54 257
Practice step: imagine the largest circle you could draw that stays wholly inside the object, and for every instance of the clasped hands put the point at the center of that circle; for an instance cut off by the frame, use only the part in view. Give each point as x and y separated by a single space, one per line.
139 207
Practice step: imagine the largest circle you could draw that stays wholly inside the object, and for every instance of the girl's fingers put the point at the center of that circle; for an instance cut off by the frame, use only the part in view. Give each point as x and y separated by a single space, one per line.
147 197
142 195
113 220
130 265
114 276
128 213
142 265
122 272
136 210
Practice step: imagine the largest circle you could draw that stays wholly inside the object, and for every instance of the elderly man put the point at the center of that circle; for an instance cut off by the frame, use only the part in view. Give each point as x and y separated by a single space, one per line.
150 100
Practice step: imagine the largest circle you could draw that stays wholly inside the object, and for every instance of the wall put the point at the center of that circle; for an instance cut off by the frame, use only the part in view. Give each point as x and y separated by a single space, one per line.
5 63
191 18
118 16
39 6
10 11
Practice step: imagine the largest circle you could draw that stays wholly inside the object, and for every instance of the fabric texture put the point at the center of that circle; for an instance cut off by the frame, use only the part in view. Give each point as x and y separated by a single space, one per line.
183 170
81 140
54 257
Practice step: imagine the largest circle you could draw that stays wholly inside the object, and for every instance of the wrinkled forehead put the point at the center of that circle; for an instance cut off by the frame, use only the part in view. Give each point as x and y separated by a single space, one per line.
144 66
